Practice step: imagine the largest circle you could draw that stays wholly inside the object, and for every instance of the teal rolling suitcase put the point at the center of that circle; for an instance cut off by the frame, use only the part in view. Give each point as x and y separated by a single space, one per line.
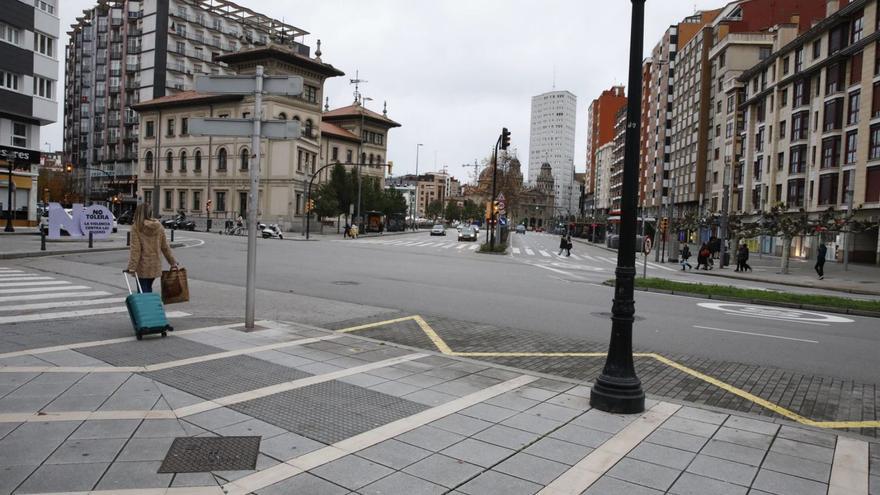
146 311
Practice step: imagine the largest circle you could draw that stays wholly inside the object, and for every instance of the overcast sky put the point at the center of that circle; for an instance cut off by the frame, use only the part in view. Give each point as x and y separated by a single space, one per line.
455 71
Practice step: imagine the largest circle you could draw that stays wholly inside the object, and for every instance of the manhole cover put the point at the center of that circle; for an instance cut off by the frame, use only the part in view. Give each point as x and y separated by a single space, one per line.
206 454
607 314
345 282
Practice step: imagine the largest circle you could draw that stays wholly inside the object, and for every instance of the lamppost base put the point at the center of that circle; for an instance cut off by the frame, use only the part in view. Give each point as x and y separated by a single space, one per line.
618 395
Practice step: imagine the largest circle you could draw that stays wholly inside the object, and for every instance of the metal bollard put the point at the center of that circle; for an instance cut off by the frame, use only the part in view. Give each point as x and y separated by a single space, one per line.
128 238
172 235
90 240
208 229
42 239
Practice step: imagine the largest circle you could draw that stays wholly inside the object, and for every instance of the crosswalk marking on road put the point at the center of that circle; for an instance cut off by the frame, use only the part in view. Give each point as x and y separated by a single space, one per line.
53 295
515 250
44 289
23 279
544 253
41 283
474 247
76 314
530 252
62 304
461 246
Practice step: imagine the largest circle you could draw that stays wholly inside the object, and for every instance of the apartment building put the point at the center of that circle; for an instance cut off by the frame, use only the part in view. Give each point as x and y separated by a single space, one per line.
551 140
122 52
618 152
812 125
179 171
604 159
601 116
29 94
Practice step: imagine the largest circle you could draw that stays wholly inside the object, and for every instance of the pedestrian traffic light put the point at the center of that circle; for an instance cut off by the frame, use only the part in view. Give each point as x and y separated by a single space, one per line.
505 138
664 224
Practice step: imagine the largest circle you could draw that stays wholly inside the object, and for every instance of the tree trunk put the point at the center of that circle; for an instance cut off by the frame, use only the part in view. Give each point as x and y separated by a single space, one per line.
786 250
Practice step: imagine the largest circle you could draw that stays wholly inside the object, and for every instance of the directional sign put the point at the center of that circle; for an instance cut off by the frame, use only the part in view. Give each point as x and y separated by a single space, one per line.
502 204
276 85
271 129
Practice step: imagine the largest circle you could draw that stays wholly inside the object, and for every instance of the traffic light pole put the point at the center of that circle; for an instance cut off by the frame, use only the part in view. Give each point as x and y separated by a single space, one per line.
9 226
491 226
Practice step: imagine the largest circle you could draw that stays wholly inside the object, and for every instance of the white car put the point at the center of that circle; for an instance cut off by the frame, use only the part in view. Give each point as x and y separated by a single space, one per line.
438 230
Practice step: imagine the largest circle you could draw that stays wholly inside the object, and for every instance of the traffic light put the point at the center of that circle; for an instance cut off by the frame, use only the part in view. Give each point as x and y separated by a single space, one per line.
68 168
505 138
310 205
664 224
488 210
495 207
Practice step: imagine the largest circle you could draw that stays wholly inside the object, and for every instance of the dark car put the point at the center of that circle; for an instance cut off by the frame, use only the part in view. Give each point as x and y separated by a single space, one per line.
467 233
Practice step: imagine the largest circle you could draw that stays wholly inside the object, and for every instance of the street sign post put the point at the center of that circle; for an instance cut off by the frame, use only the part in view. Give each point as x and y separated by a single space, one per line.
257 129
647 249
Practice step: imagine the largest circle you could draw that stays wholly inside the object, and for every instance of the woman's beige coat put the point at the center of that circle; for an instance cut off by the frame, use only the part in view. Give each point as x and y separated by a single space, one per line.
146 244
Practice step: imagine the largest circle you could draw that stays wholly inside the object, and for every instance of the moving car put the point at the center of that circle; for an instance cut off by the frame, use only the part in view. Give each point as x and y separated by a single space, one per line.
521 229
438 230
467 233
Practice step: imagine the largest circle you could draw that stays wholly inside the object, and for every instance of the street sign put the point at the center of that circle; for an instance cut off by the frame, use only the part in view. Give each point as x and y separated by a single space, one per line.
269 129
237 85
19 155
648 245
502 204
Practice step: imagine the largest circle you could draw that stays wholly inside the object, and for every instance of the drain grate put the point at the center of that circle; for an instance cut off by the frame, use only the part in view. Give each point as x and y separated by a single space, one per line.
206 454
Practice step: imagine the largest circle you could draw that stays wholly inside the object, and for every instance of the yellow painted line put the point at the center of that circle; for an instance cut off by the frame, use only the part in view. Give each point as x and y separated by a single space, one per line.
445 349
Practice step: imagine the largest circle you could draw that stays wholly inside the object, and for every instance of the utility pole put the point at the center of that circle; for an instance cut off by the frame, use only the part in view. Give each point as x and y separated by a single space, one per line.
725 206
618 389
415 194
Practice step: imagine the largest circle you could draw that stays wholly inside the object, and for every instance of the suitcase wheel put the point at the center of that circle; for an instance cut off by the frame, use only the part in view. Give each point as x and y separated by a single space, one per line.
139 336
169 328
164 334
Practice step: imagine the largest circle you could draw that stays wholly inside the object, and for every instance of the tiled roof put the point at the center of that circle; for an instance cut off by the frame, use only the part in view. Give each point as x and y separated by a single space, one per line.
184 97
335 130
355 110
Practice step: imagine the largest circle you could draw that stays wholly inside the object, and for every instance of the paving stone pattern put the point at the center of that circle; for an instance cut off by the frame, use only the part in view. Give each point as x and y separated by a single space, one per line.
813 396
148 351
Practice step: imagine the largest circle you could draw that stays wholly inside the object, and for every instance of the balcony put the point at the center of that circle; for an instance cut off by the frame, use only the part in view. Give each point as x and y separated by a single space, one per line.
115 72
132 84
132 67
116 21
114 88
112 139
131 119
101 44
177 66
116 53
133 48
130 136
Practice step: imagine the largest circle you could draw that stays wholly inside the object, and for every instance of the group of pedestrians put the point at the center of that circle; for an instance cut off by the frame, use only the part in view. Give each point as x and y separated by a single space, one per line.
350 231
706 256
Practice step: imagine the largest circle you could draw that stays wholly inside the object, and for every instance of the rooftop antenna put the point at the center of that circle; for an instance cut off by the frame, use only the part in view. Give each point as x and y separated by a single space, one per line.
476 171
357 81
554 76
327 104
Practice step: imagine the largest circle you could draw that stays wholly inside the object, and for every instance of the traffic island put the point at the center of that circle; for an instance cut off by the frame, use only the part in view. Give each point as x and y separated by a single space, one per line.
485 248
811 302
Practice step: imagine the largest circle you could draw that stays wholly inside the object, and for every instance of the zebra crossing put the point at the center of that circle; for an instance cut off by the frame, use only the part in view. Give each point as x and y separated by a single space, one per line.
452 246
26 296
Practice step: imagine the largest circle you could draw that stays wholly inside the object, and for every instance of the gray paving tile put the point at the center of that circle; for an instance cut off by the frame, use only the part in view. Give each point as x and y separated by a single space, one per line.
430 438
613 486
251 427
753 425
644 473
581 436
602 421
477 452
194 479
662 455
461 424
160 428
513 401
75 402
402 483
352 472
804 435
288 446
784 484
689 426
263 462
24 404
422 380
692 484
874 485
217 418
32 443
362 380
724 470
505 436
394 454
803 450
734 452
146 449
570 401
529 467
111 428
536 393
703 415
12 476
558 450
493 482
797 466
6 428
78 451
742 437
554 411
135 474
394 388
51 478
429 397
443 470
488 412
532 423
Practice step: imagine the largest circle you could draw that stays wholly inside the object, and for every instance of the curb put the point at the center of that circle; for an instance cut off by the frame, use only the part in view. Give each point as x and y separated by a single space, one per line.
781 304
845 290
40 254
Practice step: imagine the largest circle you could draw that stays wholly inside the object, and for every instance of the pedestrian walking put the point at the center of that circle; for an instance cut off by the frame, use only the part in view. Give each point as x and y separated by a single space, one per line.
820 260
565 244
685 255
346 232
354 231
147 241
703 257
742 259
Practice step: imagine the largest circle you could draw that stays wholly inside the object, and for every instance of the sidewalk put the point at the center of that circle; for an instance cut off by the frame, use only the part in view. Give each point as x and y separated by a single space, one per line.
27 245
859 279
294 409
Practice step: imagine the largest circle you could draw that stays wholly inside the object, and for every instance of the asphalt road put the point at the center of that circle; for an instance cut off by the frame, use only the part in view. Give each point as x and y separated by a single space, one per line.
531 288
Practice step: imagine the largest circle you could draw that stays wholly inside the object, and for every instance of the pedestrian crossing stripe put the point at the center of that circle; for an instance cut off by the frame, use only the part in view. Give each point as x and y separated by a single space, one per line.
62 304
41 283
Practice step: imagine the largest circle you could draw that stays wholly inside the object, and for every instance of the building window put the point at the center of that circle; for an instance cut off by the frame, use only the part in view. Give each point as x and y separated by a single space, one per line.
798 60
780 161
334 154
10 34
19 136
834 76
197 167
148 197
9 80
828 189
857 27
830 152
308 129
169 162
836 39
221 163
148 161
44 44
348 156
43 87
183 161
170 128
795 192
782 130
299 160
299 202
310 94
244 156
817 49
168 200
785 66
45 7
872 185
184 126
833 114
150 129
855 68
852 116
874 143
197 200
282 116
181 200
797 163
242 203
851 147
221 201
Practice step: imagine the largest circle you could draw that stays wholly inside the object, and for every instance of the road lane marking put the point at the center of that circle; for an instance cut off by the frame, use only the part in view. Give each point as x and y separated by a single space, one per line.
62 304
561 272
43 289
33 284
530 252
27 278
208 405
544 253
351 445
447 246
757 334
608 260
474 247
789 314
576 257
659 267
849 469
777 319
592 467
77 314
515 250
461 246
54 295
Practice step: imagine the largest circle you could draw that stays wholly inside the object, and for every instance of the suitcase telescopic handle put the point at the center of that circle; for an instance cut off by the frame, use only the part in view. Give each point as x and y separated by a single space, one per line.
137 282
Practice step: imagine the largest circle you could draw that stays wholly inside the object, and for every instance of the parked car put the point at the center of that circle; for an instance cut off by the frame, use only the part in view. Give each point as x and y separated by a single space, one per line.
438 230
272 232
125 218
521 229
179 222
467 233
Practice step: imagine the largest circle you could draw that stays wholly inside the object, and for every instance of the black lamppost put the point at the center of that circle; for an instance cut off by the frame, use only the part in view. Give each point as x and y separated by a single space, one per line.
9 212
618 389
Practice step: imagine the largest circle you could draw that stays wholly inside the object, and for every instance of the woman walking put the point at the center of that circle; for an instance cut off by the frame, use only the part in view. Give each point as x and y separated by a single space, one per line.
565 244
147 240
685 255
